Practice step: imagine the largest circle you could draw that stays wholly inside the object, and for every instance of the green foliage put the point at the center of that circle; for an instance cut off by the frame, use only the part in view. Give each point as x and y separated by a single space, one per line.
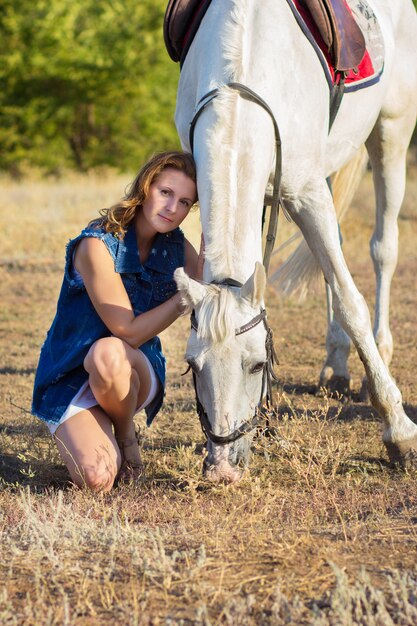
84 83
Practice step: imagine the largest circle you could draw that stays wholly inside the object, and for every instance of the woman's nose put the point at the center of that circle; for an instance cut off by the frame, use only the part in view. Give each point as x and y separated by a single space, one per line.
172 205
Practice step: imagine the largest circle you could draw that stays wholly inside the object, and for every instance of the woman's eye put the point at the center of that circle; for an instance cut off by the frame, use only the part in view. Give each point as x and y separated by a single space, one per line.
185 203
164 192
257 368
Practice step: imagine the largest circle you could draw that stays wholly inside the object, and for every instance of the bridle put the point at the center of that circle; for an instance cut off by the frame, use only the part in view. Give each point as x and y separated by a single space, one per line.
268 374
250 95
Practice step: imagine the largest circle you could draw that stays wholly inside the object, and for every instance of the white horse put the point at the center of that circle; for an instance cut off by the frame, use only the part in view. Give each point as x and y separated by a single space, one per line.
260 45
301 273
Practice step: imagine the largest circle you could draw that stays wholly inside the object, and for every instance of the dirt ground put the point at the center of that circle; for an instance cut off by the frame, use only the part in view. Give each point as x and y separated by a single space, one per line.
320 531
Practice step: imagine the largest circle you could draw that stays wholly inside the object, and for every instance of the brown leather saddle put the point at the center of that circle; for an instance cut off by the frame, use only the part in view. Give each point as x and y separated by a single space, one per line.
336 24
340 32
181 22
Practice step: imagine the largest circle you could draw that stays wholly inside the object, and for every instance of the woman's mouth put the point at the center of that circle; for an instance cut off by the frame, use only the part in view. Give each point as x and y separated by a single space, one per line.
166 219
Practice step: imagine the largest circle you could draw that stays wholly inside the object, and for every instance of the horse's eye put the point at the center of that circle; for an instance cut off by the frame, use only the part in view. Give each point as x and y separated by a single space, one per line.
257 368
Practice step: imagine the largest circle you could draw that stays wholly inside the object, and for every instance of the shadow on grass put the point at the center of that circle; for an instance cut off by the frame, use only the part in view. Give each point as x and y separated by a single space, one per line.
17 472
33 429
364 465
352 407
347 413
19 371
297 389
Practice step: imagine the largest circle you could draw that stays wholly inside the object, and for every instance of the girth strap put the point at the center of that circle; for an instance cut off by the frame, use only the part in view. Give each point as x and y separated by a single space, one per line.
336 97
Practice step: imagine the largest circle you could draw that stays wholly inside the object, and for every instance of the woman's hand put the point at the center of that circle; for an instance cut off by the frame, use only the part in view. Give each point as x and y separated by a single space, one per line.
109 298
182 309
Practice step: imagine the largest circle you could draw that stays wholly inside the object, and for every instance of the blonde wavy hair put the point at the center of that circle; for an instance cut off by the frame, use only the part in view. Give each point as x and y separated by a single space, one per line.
117 218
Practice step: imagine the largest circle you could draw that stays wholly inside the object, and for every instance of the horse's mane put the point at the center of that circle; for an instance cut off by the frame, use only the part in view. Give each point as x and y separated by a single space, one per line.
234 47
216 314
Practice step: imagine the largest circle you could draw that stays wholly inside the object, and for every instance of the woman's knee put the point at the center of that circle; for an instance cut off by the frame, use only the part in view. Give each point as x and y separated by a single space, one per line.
96 478
108 358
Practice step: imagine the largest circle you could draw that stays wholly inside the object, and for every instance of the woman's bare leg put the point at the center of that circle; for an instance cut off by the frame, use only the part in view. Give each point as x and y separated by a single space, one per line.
120 380
95 442
89 449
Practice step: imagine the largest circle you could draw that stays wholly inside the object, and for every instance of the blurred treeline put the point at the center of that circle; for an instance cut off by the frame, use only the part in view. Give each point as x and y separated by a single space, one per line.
84 83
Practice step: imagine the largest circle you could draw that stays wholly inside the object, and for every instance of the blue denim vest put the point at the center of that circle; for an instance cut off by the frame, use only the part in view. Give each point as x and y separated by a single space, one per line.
77 326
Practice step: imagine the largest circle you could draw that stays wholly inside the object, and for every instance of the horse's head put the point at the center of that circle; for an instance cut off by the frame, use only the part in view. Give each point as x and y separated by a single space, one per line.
227 353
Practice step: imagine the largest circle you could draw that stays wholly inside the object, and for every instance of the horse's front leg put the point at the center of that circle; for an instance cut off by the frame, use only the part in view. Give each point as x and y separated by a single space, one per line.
334 375
313 211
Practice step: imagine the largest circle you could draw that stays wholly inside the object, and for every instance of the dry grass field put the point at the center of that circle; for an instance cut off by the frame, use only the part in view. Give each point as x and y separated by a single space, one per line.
321 531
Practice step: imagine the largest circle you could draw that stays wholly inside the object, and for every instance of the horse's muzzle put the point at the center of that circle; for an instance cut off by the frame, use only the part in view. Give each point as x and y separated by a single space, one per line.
223 472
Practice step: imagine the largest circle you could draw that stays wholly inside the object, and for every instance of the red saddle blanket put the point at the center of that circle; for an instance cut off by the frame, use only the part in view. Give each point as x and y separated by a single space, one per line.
183 17
368 72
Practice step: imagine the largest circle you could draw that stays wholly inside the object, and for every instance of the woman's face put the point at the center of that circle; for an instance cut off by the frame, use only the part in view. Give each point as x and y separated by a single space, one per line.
169 200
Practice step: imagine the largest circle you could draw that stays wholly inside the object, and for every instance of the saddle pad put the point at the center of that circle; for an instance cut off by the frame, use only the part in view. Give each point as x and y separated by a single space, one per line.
372 64
183 17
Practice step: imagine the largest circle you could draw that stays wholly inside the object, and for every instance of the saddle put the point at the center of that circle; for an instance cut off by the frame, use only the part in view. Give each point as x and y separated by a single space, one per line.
336 24
181 22
339 31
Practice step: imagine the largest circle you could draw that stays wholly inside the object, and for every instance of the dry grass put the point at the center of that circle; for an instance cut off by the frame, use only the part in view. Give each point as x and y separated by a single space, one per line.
319 532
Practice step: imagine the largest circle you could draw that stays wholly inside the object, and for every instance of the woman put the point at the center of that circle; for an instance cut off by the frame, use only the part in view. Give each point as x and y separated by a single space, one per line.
102 362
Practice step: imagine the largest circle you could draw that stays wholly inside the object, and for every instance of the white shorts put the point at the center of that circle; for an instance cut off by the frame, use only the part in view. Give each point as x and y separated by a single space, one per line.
85 399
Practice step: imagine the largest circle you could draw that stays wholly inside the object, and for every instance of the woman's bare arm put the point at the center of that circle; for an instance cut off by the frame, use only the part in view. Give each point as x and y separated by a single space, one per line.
194 262
109 297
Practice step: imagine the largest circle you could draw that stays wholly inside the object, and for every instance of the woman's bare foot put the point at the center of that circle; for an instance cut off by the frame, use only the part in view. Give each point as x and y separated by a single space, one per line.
131 468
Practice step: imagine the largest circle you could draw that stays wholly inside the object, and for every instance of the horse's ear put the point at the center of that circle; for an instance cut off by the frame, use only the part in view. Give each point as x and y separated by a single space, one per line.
254 288
192 292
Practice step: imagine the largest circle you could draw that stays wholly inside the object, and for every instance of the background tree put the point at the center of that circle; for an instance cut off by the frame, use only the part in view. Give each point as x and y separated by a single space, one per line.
84 83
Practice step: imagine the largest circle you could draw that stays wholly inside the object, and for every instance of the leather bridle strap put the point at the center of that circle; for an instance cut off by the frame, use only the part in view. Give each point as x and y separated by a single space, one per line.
250 95
238 331
244 428
268 375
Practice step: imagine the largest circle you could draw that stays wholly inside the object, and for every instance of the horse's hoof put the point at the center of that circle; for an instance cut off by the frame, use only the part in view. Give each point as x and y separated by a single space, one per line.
403 453
337 387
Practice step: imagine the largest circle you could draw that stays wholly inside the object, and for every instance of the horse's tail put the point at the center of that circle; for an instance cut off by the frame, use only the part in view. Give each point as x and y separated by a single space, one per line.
301 270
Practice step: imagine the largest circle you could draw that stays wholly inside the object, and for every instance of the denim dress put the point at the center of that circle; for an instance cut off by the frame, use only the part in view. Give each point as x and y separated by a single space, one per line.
77 325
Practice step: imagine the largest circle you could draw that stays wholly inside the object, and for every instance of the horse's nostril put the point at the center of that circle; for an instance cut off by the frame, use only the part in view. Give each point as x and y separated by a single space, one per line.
222 473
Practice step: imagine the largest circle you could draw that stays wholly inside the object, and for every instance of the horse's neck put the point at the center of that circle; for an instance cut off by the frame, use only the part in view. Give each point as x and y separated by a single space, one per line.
233 164
233 140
